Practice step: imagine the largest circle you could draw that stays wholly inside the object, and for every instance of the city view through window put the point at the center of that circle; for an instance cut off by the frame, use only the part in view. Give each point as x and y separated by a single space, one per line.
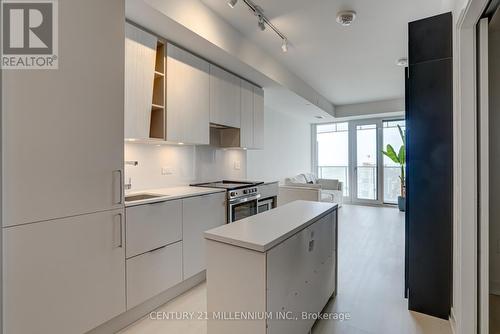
334 145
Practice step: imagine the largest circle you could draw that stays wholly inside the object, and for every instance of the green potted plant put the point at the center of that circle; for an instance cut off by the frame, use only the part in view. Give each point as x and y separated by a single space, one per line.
400 159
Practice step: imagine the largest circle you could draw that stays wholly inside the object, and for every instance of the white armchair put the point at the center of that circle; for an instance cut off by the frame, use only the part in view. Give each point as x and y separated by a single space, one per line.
308 187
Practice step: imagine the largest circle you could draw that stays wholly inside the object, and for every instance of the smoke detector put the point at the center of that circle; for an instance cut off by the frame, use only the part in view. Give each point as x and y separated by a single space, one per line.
403 62
346 18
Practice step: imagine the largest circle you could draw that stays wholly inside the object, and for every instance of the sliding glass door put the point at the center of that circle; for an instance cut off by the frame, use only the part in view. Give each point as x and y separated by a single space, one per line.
351 152
365 162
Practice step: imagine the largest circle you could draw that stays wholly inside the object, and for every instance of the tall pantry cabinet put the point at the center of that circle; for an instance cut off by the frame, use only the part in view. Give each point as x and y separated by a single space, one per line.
63 179
429 157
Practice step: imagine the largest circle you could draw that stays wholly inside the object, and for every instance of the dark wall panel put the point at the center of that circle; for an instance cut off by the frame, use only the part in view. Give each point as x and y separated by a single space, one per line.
431 39
430 168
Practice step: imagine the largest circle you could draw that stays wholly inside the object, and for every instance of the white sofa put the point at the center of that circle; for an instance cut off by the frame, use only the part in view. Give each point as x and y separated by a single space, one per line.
308 187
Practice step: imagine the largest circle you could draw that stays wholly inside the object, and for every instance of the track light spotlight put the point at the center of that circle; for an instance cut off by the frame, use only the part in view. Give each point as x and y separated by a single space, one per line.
284 46
261 23
232 3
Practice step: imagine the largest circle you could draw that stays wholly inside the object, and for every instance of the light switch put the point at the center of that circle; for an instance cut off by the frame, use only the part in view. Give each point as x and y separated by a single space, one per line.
237 165
166 171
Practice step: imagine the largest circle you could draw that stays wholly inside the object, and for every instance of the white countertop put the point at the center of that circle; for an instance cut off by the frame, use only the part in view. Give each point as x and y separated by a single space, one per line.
171 193
265 230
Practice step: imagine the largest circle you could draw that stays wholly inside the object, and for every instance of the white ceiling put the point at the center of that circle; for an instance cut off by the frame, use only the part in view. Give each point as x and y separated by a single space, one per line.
345 64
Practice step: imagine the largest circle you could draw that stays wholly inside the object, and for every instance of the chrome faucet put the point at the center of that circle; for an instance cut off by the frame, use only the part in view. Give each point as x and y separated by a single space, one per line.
128 185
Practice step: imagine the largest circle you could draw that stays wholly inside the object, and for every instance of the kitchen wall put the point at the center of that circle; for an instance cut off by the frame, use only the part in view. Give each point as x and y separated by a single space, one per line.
170 165
287 148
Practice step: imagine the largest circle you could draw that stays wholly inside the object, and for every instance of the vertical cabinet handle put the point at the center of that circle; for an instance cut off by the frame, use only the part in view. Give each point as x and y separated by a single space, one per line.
118 231
118 186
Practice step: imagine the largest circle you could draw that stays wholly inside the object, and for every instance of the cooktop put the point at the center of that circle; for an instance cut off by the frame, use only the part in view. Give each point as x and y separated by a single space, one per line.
228 184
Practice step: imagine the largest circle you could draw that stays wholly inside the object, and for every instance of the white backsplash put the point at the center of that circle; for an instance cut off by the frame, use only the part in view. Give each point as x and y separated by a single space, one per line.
182 164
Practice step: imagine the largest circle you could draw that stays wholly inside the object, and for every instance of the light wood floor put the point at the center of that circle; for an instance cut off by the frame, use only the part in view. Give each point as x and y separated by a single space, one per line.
371 268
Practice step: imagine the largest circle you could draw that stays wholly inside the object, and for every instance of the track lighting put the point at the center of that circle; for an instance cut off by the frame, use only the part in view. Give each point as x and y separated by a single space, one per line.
261 23
284 46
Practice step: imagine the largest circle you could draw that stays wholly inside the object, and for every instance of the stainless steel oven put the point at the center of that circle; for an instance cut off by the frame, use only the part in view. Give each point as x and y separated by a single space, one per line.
242 207
242 197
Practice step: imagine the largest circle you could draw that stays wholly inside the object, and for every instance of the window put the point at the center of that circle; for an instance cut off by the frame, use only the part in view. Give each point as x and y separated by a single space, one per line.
333 152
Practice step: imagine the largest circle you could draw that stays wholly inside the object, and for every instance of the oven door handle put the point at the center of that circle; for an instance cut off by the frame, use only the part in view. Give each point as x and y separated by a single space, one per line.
244 200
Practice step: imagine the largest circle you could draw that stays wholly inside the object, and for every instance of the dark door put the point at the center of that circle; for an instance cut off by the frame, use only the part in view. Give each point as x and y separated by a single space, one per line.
407 229
430 166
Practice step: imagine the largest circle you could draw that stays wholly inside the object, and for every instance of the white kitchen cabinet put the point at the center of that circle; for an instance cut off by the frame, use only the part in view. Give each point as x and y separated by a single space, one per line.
258 118
154 225
63 129
64 276
252 116
225 98
140 57
200 214
151 273
247 115
188 97
308 255
268 190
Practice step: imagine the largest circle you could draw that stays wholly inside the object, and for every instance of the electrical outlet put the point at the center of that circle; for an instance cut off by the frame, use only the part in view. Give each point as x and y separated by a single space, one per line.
166 171
237 165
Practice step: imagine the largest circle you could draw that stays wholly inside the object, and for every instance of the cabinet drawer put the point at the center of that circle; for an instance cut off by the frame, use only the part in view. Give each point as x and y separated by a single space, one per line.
152 273
152 225
269 190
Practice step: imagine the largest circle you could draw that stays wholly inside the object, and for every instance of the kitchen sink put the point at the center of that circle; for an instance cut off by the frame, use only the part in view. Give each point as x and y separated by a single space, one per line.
140 197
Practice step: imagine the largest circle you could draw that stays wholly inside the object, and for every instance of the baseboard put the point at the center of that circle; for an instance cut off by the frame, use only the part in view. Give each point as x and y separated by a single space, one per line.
131 316
495 288
453 322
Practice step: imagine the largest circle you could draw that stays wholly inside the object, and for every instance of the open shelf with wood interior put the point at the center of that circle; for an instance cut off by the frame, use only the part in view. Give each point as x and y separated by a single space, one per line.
157 125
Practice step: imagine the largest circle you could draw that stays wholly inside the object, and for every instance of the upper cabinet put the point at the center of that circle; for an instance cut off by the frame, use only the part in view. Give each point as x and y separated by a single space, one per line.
172 95
258 118
140 58
252 116
247 115
225 98
188 97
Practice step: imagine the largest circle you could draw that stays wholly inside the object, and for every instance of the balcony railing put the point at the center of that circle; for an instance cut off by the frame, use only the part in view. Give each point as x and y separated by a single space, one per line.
367 180
336 172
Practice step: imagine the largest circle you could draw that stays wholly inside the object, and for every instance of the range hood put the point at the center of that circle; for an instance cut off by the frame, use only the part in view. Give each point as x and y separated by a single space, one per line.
224 136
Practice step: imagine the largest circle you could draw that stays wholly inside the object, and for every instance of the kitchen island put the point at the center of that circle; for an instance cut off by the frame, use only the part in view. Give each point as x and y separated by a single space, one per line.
266 273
